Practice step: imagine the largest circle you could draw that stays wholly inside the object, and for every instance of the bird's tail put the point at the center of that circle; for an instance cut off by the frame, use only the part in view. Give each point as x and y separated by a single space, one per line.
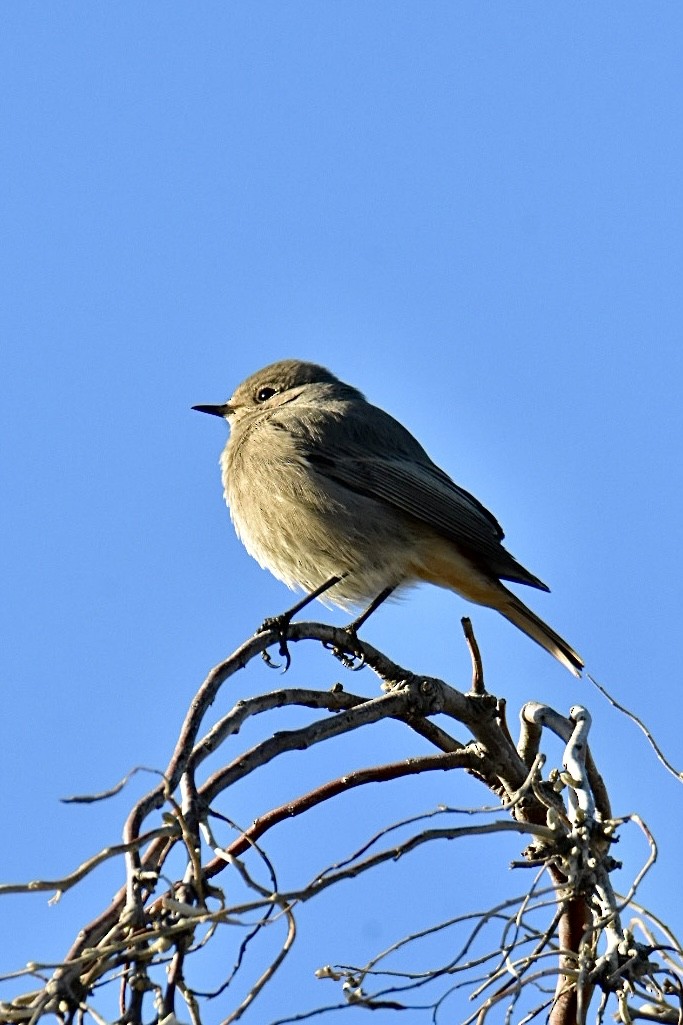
534 627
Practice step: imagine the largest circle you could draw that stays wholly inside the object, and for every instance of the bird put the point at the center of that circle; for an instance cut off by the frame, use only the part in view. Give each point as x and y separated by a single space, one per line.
334 496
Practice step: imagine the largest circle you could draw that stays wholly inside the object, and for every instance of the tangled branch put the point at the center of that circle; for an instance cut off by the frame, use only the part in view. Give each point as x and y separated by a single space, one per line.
568 932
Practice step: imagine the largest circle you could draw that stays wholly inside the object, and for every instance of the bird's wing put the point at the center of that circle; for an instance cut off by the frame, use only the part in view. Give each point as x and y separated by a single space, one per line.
376 456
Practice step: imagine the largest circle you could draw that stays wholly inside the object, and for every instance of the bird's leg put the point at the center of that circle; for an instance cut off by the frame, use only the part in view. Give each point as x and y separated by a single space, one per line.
281 622
352 629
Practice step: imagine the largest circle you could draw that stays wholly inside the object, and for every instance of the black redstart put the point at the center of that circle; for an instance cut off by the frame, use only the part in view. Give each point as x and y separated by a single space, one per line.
333 495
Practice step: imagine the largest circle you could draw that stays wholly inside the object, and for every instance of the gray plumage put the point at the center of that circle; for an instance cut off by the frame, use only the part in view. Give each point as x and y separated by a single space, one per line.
321 483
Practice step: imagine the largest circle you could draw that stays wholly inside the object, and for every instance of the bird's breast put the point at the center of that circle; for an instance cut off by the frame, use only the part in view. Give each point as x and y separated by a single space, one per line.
305 528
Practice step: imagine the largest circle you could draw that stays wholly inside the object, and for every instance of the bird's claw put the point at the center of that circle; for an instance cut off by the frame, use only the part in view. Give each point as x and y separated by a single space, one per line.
352 657
281 625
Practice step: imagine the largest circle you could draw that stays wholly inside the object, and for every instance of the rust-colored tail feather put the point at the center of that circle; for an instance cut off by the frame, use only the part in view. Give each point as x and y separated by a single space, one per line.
534 627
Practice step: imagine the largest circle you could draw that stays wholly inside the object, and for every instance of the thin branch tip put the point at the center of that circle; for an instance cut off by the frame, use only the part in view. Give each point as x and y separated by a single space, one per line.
477 686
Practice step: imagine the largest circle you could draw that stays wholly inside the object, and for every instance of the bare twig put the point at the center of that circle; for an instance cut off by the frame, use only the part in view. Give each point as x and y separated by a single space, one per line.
156 924
478 686
676 773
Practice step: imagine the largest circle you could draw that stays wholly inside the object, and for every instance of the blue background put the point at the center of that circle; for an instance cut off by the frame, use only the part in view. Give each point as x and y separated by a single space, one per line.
471 211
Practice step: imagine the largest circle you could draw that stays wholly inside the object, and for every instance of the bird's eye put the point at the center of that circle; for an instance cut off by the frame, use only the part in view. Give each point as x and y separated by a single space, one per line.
263 394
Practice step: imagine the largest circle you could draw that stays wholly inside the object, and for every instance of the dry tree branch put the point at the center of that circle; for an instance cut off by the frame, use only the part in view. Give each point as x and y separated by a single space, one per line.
155 923
647 733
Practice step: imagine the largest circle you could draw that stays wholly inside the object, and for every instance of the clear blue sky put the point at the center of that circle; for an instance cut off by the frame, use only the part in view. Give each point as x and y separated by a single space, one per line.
472 211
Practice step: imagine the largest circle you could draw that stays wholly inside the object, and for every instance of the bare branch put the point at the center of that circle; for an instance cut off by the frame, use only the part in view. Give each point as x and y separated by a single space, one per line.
478 686
149 936
676 773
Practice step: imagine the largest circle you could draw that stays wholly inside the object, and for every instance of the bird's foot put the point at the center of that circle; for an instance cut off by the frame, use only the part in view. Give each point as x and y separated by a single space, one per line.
351 656
281 625
282 622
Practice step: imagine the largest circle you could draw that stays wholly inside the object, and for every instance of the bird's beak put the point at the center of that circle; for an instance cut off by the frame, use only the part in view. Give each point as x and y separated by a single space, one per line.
222 411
